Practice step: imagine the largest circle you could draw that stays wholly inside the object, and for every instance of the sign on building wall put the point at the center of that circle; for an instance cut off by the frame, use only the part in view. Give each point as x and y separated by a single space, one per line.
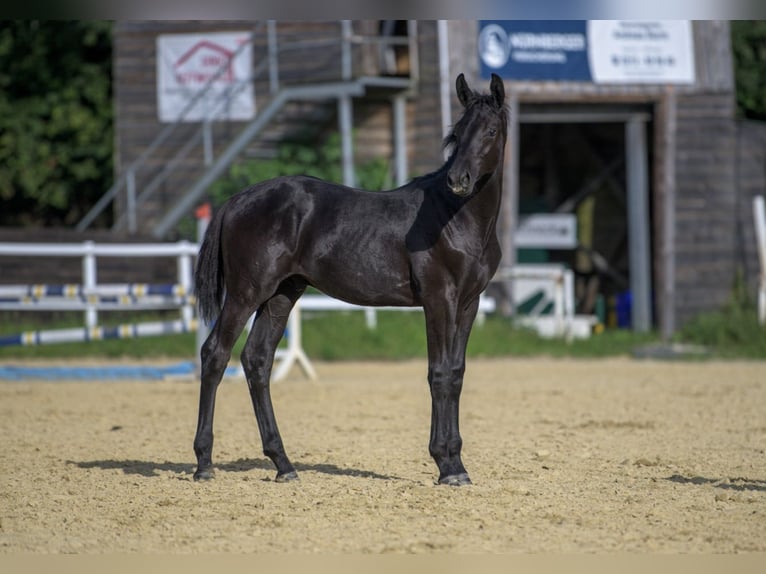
547 230
599 51
205 76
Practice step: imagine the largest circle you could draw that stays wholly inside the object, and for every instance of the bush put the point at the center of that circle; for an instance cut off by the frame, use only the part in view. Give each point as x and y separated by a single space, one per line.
299 159
292 159
748 40
732 331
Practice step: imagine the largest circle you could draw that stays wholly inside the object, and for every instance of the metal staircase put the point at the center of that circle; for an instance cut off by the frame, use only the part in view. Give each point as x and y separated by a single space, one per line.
194 165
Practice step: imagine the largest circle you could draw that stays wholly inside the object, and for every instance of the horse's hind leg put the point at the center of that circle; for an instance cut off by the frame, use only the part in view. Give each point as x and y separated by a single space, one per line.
257 361
215 354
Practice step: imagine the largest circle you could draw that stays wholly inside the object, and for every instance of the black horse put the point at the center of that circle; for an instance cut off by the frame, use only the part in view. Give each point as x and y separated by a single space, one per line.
430 243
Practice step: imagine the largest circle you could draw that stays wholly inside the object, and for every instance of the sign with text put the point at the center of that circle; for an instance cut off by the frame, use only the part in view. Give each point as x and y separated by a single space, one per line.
534 50
209 76
599 51
547 230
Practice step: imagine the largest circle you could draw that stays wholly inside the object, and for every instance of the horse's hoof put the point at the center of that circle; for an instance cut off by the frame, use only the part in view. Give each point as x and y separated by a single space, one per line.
287 477
204 474
456 480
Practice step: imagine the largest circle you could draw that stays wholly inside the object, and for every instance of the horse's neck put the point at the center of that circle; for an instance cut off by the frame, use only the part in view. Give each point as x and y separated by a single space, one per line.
484 206
474 218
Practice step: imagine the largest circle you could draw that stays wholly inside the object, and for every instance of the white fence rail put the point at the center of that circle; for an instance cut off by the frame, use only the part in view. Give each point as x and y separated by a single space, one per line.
89 252
91 297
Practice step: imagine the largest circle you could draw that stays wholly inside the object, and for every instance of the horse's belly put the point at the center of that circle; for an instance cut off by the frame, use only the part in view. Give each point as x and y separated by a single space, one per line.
368 281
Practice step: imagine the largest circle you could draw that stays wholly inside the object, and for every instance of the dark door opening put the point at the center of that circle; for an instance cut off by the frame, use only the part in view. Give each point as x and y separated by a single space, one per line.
577 160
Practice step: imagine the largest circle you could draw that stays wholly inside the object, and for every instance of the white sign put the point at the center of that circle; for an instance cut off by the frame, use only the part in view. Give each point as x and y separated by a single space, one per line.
547 230
212 70
626 51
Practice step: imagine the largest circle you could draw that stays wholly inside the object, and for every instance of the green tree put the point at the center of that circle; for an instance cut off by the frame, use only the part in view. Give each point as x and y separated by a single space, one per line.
55 119
748 41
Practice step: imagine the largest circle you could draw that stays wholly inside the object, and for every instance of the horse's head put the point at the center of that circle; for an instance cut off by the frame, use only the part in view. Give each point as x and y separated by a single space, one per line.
478 138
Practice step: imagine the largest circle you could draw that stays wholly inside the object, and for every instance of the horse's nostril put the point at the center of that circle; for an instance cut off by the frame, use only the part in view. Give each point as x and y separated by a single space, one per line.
454 182
461 182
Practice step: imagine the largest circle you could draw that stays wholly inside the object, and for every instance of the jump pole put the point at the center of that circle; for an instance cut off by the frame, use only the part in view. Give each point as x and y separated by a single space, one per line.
83 334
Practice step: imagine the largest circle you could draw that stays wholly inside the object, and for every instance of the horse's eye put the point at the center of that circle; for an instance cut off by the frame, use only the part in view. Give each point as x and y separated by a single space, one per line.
492 132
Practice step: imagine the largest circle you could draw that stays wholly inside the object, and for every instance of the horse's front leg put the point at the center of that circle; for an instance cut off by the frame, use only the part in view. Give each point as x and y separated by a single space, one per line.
447 329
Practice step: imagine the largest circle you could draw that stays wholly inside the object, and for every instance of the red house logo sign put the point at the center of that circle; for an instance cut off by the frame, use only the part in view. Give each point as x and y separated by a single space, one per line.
202 62
205 77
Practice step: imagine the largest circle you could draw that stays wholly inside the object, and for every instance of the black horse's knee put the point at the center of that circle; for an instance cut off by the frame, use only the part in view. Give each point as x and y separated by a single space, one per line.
446 383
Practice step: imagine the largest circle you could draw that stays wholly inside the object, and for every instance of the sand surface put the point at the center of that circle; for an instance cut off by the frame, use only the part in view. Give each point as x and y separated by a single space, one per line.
566 456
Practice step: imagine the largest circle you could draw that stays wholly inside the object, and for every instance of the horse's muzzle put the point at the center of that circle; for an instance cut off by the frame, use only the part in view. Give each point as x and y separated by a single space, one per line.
459 184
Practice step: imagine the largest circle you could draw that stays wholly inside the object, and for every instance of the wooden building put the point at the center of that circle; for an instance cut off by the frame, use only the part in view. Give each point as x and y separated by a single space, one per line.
660 175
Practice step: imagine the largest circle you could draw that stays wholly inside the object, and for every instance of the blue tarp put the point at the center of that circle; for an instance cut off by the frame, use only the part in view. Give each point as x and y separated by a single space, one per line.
100 373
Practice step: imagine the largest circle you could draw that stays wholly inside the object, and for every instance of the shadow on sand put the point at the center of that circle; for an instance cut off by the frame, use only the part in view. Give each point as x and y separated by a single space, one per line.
738 484
152 468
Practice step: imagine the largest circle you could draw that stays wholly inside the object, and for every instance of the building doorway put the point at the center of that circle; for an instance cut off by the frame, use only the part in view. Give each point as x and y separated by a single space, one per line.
593 162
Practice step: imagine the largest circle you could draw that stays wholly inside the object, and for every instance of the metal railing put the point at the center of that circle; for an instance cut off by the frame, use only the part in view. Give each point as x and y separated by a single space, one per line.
127 179
131 179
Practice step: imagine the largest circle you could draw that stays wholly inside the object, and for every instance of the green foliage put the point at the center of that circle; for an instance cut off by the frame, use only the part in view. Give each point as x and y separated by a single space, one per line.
56 140
335 336
339 336
323 162
732 331
55 119
748 41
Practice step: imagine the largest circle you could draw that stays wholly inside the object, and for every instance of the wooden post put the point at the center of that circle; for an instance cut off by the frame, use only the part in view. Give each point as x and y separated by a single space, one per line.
639 256
668 249
510 204
346 125
400 138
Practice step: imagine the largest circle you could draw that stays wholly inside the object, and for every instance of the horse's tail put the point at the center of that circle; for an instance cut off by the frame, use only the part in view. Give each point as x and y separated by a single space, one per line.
208 275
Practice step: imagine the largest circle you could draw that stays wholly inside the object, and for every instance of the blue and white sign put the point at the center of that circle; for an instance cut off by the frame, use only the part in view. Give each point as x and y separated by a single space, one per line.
534 50
599 51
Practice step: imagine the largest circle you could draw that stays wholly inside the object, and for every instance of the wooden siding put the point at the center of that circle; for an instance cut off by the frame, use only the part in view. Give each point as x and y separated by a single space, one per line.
719 163
751 181
708 209
425 114
137 123
706 218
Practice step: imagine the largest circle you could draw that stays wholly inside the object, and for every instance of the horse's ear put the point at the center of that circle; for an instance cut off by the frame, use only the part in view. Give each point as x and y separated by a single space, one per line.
497 88
464 93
